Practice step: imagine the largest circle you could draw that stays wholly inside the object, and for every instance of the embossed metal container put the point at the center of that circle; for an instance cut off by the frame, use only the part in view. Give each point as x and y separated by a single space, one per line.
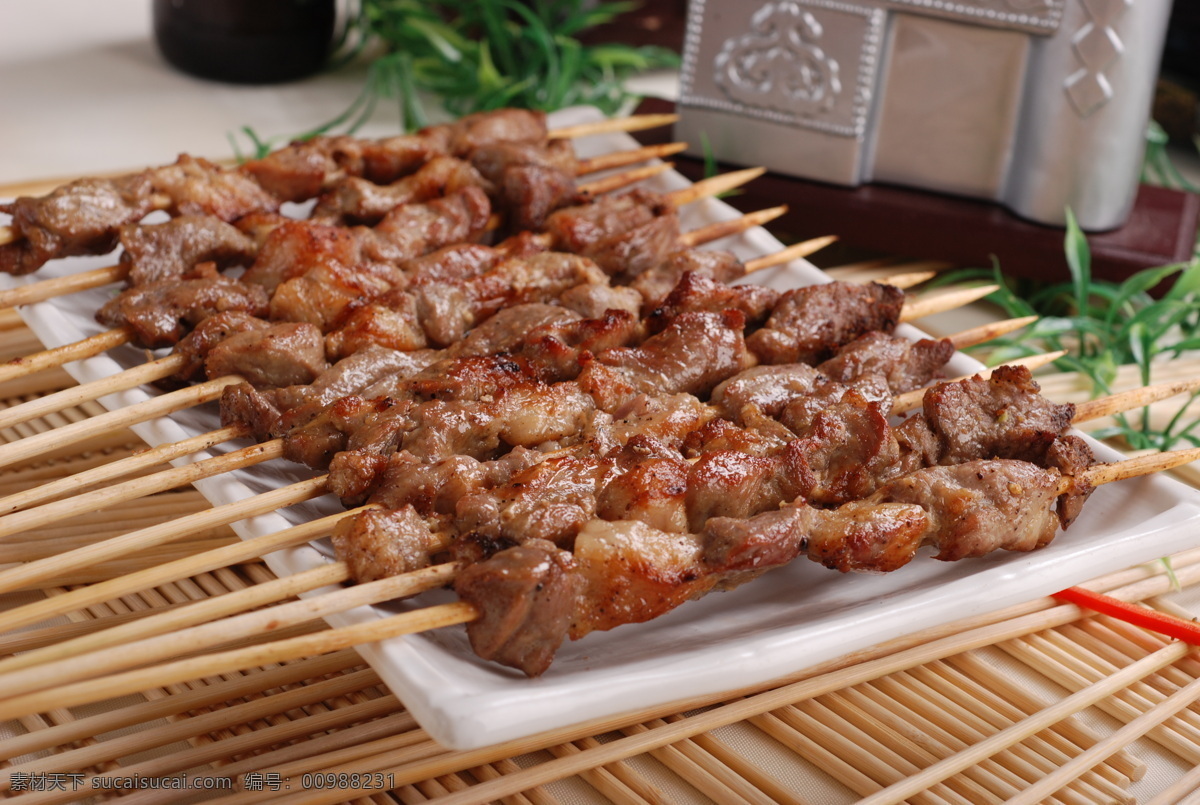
1039 105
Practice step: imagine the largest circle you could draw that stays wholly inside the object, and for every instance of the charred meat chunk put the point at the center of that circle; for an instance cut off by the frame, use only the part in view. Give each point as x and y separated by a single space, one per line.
160 313
525 597
170 250
809 324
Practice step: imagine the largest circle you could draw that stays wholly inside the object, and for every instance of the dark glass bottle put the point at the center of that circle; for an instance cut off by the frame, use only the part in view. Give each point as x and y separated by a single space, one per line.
245 41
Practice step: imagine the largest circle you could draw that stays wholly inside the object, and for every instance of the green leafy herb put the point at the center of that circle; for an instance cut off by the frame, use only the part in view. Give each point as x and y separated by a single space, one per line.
477 55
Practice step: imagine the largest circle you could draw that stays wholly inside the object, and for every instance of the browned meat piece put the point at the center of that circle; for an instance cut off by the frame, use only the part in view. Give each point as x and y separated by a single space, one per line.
1070 455
550 501
315 443
625 234
388 159
906 365
303 169
452 263
500 126
283 354
161 312
511 327
271 413
695 353
530 193
810 323
841 458
295 247
534 278
448 311
526 415
390 320
697 293
859 536
195 346
78 218
495 158
360 371
981 506
634 573
526 599
376 544
799 413
437 487
658 281
669 418
1002 416
592 301
722 435
324 294
652 492
411 230
354 200
170 250
732 484
258 226
467 378
198 187
555 347
771 388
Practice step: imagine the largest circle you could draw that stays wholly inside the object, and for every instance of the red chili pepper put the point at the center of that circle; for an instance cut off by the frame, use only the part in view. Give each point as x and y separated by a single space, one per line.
1152 619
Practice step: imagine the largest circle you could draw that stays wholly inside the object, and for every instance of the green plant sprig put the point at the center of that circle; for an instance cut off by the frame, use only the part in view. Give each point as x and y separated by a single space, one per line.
1103 326
478 55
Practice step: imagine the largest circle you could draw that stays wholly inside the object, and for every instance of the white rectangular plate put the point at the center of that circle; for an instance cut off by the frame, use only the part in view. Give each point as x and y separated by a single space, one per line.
788 620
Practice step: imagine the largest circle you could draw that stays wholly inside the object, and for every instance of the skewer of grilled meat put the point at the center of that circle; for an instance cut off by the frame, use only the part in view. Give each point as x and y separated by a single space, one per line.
845 453
323 269
83 217
532 596
623 570
667 361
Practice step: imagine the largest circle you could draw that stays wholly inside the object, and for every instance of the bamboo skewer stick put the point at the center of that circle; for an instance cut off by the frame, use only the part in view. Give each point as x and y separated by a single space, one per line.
61 286
940 302
50 358
621 159
1134 398
797 250
608 126
73 484
97 499
178 529
190 629
155 370
986 332
734 226
32 446
618 181
293 648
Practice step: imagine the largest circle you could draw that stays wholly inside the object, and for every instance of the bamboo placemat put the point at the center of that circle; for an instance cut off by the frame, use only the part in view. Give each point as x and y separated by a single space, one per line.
1040 702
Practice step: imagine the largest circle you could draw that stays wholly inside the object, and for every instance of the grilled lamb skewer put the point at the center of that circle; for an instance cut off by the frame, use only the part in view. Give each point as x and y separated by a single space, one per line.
531 597
846 453
324 269
82 217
